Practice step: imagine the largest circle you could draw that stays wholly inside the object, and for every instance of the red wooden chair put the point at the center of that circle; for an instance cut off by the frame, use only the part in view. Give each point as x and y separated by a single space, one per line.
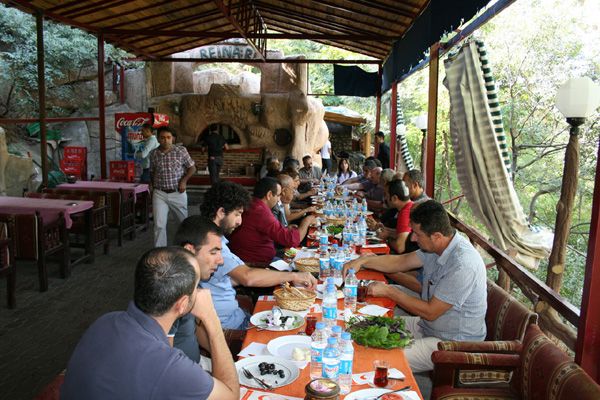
7 260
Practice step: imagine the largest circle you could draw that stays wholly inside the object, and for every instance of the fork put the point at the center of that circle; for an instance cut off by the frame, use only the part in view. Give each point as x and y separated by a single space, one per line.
261 382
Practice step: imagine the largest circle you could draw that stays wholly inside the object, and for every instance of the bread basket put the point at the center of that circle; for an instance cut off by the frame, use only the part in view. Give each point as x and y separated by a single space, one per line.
307 264
294 299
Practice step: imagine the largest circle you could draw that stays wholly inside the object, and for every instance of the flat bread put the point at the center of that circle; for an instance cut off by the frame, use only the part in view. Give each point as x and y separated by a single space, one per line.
308 261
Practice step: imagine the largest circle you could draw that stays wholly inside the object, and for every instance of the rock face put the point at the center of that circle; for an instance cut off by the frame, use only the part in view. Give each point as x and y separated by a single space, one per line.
15 172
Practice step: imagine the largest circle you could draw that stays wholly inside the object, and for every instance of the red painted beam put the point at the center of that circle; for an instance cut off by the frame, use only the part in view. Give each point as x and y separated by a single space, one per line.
135 11
393 122
587 349
47 119
101 105
94 8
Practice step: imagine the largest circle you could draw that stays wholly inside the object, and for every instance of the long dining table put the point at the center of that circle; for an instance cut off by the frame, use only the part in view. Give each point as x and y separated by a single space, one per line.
363 356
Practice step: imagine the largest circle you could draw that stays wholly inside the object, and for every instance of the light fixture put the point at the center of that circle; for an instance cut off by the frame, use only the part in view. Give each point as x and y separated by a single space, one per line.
421 123
257 108
577 99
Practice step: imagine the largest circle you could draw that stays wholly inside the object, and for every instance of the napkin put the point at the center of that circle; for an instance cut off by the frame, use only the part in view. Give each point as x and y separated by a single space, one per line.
281 265
253 349
255 394
365 378
374 310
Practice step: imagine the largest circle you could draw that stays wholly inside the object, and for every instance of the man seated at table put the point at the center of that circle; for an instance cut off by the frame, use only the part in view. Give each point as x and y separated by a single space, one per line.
453 298
396 196
414 181
309 174
224 204
288 189
375 195
202 238
126 354
362 182
254 241
300 200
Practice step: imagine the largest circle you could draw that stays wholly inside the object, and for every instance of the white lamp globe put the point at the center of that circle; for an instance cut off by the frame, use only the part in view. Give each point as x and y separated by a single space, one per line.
421 121
578 97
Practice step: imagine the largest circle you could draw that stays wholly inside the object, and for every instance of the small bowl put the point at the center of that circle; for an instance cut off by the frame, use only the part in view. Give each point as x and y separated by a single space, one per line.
71 179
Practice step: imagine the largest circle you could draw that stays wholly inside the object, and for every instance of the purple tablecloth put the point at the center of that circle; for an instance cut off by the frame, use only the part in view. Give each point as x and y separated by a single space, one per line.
49 209
127 188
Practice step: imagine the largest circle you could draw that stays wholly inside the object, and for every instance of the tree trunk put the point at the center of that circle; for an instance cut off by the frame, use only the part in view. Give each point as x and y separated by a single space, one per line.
564 209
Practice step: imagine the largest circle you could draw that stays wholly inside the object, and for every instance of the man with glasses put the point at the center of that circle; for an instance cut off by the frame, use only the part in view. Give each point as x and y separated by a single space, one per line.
254 241
453 299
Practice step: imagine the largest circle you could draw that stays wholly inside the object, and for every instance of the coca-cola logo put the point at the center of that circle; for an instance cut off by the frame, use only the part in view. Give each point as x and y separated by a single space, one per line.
124 122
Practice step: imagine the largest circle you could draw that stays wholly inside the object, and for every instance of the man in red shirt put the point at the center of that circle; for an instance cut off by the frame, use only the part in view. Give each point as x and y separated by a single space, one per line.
254 241
396 196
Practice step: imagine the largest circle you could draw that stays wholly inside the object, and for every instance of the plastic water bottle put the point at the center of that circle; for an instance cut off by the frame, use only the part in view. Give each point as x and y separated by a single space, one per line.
336 332
350 291
330 306
338 265
347 252
346 361
332 254
317 346
362 231
331 360
363 206
324 267
355 206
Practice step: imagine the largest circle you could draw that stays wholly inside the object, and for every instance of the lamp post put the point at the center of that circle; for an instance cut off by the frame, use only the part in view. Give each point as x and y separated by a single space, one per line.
421 123
576 99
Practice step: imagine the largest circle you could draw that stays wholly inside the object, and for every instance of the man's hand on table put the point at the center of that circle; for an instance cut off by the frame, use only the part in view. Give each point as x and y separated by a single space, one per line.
378 289
304 279
356 264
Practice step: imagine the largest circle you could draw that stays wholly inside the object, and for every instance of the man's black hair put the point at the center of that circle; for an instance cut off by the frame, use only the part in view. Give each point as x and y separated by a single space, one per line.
147 126
432 217
380 134
194 230
370 164
290 163
162 276
264 186
306 157
397 188
416 176
165 129
229 195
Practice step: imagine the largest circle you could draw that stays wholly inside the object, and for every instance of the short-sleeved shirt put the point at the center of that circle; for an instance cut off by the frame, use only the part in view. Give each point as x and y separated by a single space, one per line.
215 144
383 155
183 332
326 150
313 173
403 223
456 277
343 177
126 355
168 168
254 241
375 193
279 213
222 290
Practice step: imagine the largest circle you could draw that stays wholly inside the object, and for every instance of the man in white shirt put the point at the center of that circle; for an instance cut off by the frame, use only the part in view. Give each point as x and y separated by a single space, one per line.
326 157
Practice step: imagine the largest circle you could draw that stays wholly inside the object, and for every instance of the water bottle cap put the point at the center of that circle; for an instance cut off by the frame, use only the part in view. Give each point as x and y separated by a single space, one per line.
330 280
331 340
335 246
320 325
351 271
336 329
346 335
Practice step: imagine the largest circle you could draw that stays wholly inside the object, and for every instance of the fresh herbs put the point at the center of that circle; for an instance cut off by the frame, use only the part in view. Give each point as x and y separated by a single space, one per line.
381 332
334 229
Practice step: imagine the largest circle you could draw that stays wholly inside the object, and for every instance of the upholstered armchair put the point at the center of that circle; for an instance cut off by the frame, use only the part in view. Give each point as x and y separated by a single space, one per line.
540 370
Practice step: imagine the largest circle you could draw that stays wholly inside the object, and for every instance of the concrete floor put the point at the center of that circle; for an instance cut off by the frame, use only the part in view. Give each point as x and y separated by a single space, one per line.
38 337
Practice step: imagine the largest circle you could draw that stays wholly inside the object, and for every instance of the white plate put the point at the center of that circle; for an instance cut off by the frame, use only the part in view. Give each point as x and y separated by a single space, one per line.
359 394
260 317
251 364
283 346
340 294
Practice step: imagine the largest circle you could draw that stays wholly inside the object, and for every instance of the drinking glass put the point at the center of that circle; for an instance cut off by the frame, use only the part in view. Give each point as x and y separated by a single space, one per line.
311 322
381 373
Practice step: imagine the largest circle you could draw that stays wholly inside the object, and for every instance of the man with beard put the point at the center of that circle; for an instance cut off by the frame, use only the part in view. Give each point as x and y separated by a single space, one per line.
202 238
126 354
453 298
224 204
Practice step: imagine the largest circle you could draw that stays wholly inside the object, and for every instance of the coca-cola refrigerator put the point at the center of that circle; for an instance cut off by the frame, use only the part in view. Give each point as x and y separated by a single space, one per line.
129 127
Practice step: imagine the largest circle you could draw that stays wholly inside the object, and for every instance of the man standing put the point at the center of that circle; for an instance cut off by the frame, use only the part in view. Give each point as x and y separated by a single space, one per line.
224 204
326 156
414 181
254 241
170 167
453 298
215 143
126 354
383 153
143 151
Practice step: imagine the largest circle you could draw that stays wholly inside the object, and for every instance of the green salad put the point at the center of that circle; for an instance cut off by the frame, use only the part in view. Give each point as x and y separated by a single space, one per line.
334 229
380 332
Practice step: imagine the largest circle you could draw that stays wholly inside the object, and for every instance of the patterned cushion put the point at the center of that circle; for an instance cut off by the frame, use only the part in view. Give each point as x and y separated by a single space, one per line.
506 318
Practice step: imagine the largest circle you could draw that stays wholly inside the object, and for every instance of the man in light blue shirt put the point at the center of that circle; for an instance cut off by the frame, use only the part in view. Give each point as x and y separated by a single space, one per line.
224 204
453 299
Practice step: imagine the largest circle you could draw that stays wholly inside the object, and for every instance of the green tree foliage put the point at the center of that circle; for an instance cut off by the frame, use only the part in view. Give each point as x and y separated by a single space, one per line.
66 50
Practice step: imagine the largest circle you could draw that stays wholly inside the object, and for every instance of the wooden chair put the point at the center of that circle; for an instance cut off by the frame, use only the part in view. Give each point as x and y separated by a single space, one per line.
121 215
7 260
540 369
37 240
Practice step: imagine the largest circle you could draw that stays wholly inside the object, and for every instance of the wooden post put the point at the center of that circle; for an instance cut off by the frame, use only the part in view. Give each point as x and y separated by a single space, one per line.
101 106
41 72
587 351
564 208
393 122
429 173
377 114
